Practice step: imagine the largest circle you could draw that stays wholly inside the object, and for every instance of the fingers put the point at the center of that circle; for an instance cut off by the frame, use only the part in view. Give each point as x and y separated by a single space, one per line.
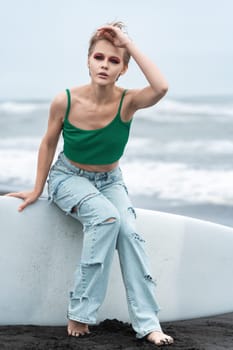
15 194
108 28
115 35
108 32
27 201
23 206
27 197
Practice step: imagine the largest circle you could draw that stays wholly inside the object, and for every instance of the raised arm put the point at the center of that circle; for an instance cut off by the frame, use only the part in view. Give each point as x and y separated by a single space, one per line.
46 152
158 86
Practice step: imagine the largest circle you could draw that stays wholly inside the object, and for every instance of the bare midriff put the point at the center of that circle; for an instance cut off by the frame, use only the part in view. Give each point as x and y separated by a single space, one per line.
95 168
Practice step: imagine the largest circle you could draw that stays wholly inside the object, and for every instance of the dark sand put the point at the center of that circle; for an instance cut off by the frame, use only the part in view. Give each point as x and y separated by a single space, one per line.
214 333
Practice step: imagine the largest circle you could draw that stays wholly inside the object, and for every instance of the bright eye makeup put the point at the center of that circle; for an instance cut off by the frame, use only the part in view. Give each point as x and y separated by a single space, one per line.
114 60
101 57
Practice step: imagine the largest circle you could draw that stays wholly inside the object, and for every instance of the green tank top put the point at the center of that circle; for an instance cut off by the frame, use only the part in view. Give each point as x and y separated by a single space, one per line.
99 146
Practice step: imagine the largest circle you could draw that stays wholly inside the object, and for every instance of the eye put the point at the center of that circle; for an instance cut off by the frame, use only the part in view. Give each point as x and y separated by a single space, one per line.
99 56
114 60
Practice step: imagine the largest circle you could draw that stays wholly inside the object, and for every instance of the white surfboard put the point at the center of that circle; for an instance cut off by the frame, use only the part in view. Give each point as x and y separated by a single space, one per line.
192 262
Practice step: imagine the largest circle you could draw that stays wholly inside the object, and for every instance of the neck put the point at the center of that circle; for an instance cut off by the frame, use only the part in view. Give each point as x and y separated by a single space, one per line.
101 94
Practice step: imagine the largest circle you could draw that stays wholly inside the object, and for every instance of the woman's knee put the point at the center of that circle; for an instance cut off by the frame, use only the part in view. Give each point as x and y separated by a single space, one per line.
128 230
96 210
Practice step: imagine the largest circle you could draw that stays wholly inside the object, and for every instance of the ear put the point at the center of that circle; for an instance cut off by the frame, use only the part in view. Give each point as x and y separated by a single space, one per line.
124 70
88 66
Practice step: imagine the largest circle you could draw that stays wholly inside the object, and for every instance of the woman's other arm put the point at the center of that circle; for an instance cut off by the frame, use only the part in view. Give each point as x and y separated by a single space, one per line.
46 152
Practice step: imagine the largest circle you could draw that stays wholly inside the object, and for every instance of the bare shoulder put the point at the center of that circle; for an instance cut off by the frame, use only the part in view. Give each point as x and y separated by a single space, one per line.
80 91
128 107
143 98
132 94
58 105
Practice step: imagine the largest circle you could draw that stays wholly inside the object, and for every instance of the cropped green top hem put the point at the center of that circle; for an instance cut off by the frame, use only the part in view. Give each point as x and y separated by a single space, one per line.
99 146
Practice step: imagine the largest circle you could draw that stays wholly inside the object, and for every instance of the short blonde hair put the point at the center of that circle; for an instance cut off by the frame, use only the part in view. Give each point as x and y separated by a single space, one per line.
95 38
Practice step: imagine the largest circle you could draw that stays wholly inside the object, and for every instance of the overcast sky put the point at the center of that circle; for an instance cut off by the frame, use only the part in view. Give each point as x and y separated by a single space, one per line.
43 43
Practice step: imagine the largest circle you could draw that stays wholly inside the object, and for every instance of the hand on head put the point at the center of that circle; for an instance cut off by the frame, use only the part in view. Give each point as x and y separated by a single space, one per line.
115 35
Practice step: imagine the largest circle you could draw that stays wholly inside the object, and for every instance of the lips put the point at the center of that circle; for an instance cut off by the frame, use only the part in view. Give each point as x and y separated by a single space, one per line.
103 74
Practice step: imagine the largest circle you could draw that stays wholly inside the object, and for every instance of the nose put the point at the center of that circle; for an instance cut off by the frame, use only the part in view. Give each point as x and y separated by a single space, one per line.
104 64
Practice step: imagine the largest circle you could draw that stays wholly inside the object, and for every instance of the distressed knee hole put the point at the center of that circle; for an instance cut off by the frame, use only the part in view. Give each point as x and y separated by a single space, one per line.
109 220
74 210
88 269
76 207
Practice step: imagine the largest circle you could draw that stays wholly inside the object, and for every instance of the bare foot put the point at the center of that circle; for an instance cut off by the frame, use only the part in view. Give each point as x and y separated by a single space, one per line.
159 338
76 329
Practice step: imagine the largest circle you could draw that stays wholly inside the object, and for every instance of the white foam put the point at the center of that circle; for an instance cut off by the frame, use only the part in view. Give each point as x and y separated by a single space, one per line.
18 162
167 107
178 182
173 106
144 146
22 107
168 110
19 143
194 147
171 181
17 168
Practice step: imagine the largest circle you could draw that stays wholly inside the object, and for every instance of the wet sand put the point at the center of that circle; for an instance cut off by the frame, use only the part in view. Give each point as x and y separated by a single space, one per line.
213 333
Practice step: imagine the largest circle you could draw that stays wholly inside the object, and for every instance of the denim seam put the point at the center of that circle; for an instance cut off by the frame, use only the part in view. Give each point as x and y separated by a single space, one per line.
79 319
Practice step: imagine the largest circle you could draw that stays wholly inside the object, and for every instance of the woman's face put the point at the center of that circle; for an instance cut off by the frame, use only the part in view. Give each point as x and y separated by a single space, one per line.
106 63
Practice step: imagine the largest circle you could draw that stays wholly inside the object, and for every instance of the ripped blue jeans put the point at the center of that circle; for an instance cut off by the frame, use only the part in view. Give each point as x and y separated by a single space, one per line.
99 200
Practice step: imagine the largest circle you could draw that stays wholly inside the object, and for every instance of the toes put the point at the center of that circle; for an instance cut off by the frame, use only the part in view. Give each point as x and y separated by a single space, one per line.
161 339
75 333
167 340
164 342
72 333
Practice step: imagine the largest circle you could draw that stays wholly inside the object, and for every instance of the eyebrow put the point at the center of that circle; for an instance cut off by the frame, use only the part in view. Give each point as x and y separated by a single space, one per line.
102 54
115 57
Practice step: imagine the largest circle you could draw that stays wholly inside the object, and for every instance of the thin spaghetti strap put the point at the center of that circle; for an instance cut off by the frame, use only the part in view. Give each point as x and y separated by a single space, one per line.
121 101
68 103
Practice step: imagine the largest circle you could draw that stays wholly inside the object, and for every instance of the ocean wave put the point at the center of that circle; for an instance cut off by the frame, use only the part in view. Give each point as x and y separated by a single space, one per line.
137 146
176 107
166 109
22 107
178 182
173 181
19 143
143 146
11 145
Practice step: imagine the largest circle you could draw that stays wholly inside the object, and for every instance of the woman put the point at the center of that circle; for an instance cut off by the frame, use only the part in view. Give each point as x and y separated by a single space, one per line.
86 181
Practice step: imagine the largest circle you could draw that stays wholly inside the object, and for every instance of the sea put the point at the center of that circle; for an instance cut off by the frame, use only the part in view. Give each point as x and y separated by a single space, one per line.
179 158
